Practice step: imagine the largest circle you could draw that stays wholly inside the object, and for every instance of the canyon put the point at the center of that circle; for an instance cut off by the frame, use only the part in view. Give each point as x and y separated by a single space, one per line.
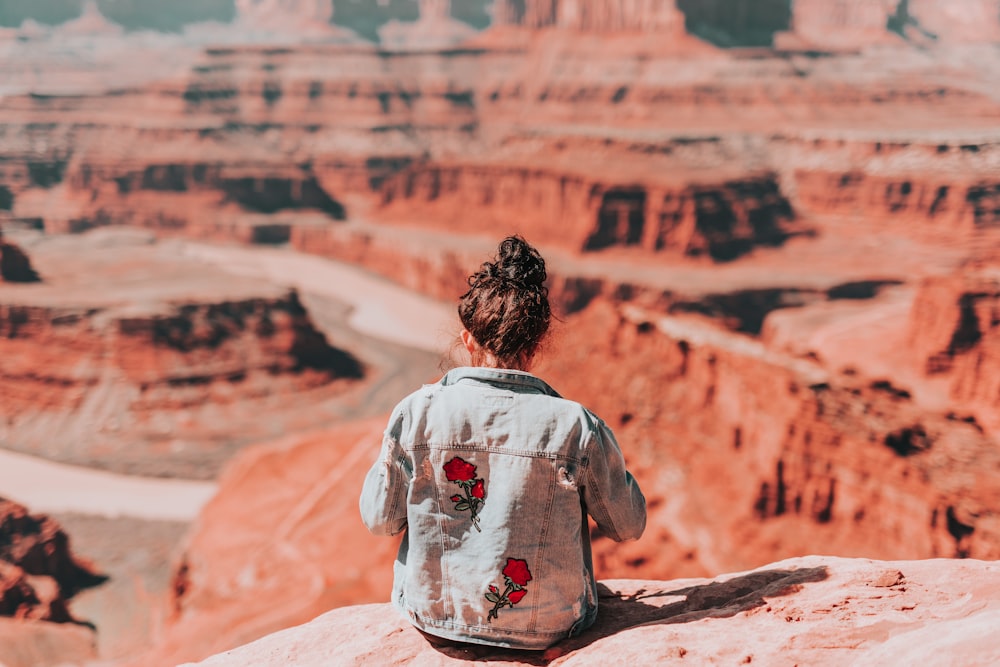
774 266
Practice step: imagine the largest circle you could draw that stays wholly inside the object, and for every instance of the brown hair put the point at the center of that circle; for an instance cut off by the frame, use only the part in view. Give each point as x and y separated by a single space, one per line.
507 306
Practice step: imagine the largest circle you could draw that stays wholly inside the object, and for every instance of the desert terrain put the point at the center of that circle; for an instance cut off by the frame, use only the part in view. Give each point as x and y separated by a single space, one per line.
773 240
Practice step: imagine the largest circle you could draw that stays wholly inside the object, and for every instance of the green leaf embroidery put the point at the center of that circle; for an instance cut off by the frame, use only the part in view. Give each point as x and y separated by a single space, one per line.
493 597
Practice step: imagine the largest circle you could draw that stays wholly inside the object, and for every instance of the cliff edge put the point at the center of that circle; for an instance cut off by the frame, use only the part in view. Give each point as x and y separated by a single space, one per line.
816 610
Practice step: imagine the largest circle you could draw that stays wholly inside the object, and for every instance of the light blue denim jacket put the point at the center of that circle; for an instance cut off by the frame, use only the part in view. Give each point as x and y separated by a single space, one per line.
492 474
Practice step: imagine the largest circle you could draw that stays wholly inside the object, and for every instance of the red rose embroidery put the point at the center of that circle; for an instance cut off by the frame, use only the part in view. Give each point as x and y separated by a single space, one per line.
516 574
517 571
515 596
458 470
463 473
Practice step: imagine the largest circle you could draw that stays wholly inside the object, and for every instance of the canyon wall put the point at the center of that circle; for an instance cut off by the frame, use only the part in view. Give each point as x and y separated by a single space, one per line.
955 334
278 545
271 132
808 443
124 352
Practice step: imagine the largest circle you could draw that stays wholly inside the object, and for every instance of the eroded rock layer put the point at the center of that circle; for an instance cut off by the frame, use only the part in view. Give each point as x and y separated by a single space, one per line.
147 353
700 153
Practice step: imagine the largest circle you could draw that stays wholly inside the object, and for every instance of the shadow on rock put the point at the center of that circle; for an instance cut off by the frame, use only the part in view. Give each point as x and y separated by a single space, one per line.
618 611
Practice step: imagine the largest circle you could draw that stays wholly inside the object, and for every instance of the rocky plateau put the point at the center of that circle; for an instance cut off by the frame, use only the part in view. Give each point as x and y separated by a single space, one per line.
807 611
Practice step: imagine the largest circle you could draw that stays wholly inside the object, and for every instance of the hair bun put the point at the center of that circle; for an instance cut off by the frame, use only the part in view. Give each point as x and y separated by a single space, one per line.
519 263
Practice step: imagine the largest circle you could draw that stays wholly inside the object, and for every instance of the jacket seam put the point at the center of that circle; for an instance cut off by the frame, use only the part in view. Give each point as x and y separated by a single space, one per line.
395 494
540 548
603 506
494 449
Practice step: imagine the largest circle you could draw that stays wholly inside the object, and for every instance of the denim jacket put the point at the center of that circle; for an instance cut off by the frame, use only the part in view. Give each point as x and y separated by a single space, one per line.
492 475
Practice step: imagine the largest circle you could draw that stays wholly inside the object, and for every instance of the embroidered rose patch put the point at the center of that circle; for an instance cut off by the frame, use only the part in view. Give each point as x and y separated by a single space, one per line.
463 473
516 576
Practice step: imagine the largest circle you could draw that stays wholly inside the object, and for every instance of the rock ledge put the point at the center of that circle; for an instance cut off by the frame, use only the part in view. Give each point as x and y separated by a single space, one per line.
815 610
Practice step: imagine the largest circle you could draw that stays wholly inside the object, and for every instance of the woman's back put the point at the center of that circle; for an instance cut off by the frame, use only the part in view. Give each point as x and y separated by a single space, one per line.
492 474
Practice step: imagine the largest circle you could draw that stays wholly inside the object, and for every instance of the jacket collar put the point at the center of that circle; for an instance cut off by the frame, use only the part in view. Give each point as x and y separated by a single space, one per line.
497 376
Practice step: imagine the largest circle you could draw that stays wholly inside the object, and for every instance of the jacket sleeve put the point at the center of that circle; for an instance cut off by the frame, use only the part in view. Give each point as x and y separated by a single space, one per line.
383 497
612 495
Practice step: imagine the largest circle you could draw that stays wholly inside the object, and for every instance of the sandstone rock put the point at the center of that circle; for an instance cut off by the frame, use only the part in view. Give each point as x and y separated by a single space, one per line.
90 23
279 544
960 21
816 610
591 15
161 352
435 29
264 11
38 572
955 333
27 643
639 205
307 19
807 442
842 24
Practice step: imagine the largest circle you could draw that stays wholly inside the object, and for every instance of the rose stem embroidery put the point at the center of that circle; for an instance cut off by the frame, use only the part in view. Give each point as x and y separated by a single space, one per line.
463 473
516 575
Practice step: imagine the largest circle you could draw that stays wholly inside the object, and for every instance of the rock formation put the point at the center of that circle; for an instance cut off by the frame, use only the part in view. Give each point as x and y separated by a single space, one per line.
590 15
955 333
435 29
808 611
262 556
955 21
306 19
30 643
91 22
163 350
847 24
38 572
264 12
842 22
38 575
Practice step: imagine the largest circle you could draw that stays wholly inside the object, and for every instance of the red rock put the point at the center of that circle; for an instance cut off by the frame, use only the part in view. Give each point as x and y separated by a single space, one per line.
959 21
816 610
279 544
38 572
171 347
843 23
591 15
28 643
955 333
434 29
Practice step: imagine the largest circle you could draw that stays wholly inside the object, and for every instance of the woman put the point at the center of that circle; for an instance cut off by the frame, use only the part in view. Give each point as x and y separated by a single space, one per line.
492 475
